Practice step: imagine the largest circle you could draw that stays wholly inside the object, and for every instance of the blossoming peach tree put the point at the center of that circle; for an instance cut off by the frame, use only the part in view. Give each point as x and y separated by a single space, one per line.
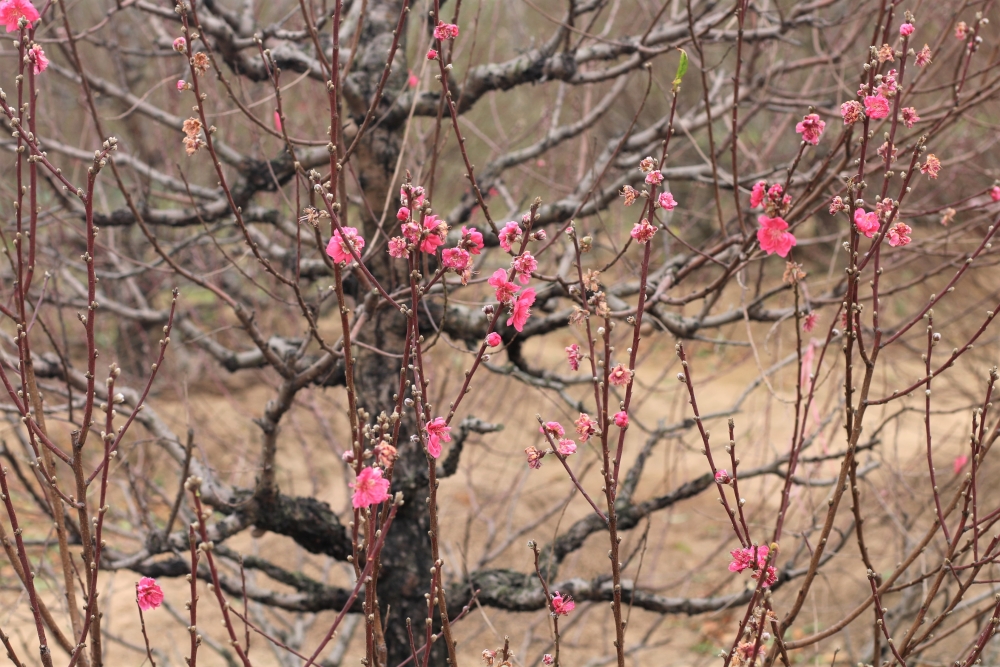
291 234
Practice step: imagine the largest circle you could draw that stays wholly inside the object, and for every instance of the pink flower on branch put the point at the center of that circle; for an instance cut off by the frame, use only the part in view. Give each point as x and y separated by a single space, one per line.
456 258
585 426
851 112
40 61
619 376
643 231
654 177
148 594
12 11
369 488
910 116
397 247
562 605
867 223
445 31
995 193
437 231
809 323
566 447
573 356
621 419
899 234
438 431
811 128
524 265
494 340
923 57
509 235
757 194
472 240
774 237
552 428
931 166
876 106
534 457
521 310
906 29
505 289
339 247
432 54
722 476
666 201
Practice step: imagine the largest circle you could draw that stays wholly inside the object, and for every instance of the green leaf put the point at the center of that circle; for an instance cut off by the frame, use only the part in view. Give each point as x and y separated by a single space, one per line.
682 68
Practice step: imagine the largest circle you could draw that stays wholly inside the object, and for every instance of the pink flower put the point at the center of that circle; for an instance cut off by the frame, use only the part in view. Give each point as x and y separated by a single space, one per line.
995 193
909 116
867 223
585 426
13 11
403 214
621 419
524 265
397 247
456 258
548 660
654 177
876 106
923 57
959 463
837 205
566 447
338 247
931 167
772 236
277 121
667 201
416 192
437 432
369 488
181 85
747 651
554 428
811 128
445 30
39 58
509 235
809 323
851 112
148 594
961 30
437 230
906 29
534 457
744 559
180 45
643 231
521 310
562 605
619 376
505 289
899 234
573 356
888 85
493 340
472 240
412 81
757 194
432 54
722 476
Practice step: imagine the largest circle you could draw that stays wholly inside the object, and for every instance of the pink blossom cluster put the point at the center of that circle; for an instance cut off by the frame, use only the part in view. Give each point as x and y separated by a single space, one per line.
743 559
773 199
445 31
340 245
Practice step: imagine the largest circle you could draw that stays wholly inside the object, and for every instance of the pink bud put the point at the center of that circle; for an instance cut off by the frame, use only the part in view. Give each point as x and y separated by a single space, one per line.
493 340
